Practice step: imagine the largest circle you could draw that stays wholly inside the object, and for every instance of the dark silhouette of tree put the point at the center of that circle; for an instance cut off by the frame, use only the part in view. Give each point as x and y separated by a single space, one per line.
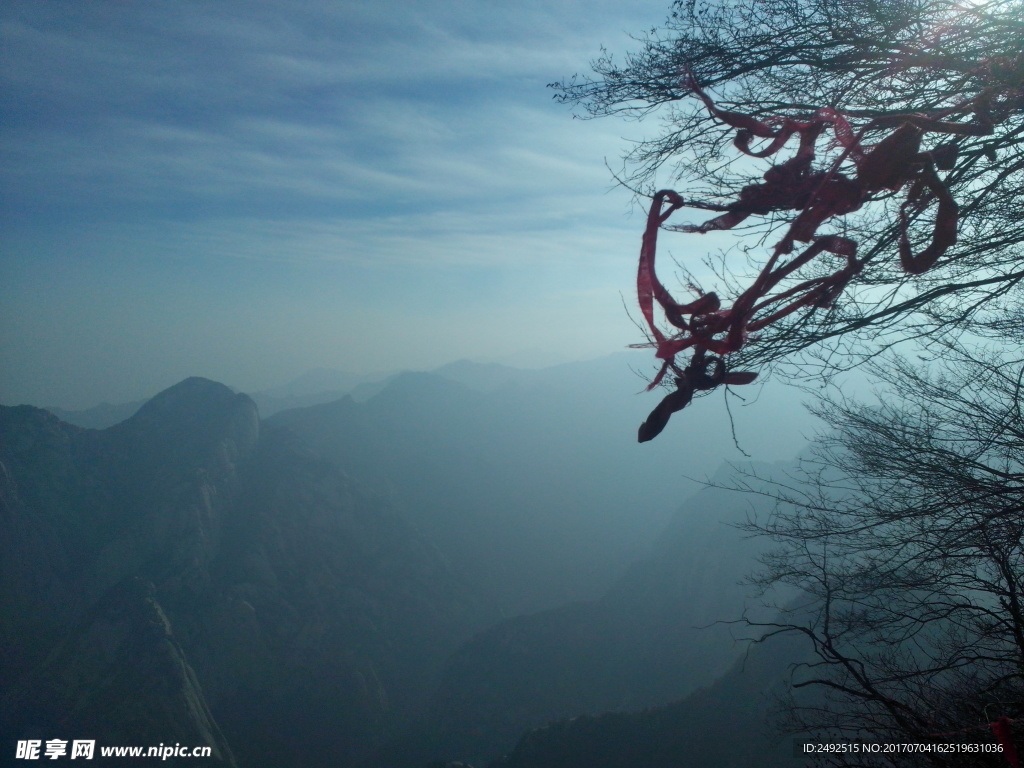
872 155
905 535
879 98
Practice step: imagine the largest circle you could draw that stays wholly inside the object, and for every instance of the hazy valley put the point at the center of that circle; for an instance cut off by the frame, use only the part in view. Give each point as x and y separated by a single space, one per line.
424 568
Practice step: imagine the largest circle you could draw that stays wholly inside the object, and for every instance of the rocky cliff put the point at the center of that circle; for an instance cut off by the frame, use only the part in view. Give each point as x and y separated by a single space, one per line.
191 576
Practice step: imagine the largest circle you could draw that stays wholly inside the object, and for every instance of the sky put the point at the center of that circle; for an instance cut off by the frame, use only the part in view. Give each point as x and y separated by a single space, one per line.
246 190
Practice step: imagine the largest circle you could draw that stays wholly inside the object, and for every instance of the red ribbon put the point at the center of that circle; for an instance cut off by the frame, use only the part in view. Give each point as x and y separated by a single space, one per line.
1001 730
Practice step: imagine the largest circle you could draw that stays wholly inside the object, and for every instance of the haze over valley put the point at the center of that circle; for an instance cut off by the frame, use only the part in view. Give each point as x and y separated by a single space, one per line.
425 568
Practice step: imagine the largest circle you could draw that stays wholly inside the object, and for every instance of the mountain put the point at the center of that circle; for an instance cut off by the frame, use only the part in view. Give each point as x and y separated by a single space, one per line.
517 486
193 576
320 385
531 480
450 559
657 635
320 380
729 724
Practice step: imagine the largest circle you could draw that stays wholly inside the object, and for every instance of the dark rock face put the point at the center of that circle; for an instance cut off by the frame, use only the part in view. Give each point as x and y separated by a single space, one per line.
188 576
120 676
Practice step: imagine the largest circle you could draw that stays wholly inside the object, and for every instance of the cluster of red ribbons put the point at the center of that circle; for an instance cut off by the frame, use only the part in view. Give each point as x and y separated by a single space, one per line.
713 332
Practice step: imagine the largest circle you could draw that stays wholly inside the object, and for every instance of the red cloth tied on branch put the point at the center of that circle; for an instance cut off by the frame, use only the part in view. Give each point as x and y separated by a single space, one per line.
816 195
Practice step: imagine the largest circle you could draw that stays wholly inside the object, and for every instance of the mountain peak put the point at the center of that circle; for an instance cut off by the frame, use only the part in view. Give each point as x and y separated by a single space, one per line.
190 395
198 410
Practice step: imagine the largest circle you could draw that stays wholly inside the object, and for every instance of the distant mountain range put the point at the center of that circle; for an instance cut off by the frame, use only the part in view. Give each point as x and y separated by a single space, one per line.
424 570
320 385
774 426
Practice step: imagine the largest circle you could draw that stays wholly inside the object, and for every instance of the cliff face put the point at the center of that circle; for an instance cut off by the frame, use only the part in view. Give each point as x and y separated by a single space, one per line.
188 576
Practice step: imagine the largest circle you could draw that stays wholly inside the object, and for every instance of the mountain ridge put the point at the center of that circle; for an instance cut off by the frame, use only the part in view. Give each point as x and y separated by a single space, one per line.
168 572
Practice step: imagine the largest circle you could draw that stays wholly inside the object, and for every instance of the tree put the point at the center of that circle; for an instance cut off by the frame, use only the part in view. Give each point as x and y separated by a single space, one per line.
937 85
905 535
889 138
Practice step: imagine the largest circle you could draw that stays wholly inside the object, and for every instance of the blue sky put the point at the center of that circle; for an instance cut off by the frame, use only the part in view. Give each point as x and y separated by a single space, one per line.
245 190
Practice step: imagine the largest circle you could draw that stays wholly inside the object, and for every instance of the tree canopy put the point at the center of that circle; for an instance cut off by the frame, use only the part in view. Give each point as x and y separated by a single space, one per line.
929 86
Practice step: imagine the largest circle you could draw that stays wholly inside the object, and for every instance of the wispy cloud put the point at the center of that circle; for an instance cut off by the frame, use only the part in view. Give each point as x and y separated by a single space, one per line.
164 103
412 144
